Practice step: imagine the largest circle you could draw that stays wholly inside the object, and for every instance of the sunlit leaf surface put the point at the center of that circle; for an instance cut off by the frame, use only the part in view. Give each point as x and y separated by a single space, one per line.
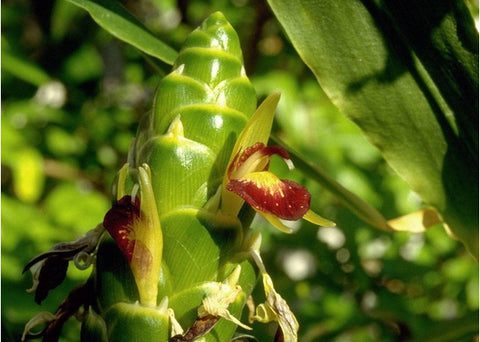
387 86
114 18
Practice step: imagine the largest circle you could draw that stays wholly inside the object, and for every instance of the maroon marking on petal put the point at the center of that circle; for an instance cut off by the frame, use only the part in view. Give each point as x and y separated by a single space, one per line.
268 198
143 259
243 155
251 150
119 222
271 150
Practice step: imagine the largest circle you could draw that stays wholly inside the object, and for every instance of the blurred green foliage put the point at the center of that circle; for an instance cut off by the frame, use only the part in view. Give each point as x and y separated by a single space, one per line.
71 98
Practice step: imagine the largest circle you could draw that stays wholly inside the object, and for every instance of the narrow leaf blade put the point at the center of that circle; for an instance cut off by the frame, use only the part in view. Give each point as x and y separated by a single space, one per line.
114 18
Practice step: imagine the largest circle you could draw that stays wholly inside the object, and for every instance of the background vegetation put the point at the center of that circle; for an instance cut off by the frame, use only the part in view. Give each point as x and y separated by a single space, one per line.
72 95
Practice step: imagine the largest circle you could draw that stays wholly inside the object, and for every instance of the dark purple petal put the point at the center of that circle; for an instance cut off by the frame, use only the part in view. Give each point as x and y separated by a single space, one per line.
119 222
52 274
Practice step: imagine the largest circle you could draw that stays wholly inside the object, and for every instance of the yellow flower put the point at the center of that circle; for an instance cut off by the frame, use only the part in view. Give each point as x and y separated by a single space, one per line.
248 180
271 197
134 225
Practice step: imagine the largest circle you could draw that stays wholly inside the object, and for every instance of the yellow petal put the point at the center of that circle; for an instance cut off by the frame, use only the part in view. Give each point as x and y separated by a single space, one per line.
275 308
223 294
148 250
276 222
285 317
416 222
313 217
257 130
259 126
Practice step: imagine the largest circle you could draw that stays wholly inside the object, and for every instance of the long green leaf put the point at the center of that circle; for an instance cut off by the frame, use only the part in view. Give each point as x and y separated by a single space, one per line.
114 18
442 34
22 68
366 66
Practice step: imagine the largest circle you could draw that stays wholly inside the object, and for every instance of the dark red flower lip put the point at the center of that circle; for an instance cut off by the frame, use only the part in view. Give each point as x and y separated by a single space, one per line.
249 179
283 198
119 222
275 199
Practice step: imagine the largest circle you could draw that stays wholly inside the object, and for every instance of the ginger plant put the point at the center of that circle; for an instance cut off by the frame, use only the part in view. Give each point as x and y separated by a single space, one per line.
175 258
